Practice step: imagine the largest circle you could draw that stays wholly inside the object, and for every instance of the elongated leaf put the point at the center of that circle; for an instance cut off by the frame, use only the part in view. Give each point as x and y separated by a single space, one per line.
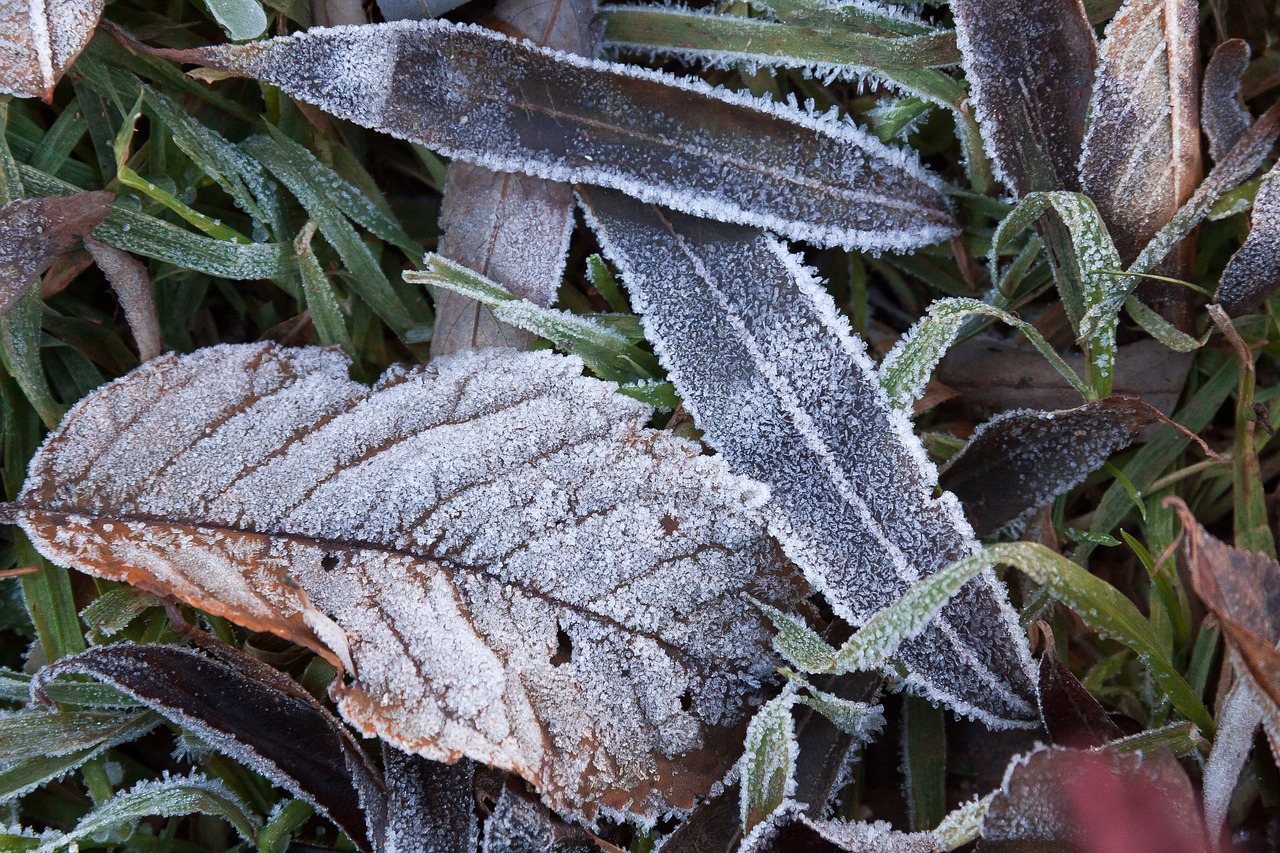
35 732
512 228
132 285
34 232
39 39
787 395
1030 64
1238 720
30 773
1021 460
1253 273
508 565
769 761
430 806
248 711
480 97
170 797
1141 158
1222 115
909 365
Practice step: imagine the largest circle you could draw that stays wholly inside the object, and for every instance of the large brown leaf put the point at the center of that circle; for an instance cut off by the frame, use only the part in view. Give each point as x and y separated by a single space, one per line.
484 98
508 564
1030 64
1142 152
39 39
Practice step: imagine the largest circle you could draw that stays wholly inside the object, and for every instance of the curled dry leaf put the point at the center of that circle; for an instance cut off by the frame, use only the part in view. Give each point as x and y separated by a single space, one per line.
39 39
509 227
1222 114
1253 273
34 232
129 279
484 98
507 563
251 712
1030 64
786 393
1101 800
1141 156
1023 459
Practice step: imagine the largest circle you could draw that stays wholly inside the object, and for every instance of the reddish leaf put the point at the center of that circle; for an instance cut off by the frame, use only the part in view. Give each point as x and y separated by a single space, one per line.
34 232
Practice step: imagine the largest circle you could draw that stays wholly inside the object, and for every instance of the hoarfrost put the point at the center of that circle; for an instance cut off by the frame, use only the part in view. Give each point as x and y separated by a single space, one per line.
523 574
509 106
39 39
787 394
1253 273
1223 115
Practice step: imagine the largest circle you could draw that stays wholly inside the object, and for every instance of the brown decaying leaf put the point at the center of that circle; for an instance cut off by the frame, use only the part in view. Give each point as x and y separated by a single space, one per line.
1253 273
1071 715
1142 152
129 279
1031 66
1023 459
39 39
1243 590
997 375
509 227
506 562
34 232
1222 114
1098 800
251 712
481 97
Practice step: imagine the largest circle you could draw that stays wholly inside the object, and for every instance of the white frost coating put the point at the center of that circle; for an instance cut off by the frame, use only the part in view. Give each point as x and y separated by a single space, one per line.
1253 273
39 39
1238 721
784 391
665 139
522 572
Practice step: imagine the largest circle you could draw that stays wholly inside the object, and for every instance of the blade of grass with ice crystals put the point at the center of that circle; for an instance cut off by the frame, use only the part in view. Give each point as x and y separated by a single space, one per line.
477 96
168 797
908 366
768 764
28 774
154 238
1091 297
606 352
326 316
787 395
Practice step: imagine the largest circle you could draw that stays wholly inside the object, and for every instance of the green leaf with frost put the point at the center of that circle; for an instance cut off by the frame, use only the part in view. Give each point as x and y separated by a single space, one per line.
769 762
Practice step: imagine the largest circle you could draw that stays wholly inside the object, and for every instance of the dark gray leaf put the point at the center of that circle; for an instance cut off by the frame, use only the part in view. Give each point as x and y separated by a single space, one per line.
1030 64
1222 114
481 97
521 824
1023 459
430 806
788 396
249 711
1253 273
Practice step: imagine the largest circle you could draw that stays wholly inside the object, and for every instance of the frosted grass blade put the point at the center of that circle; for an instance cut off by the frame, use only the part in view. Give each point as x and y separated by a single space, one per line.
480 97
788 396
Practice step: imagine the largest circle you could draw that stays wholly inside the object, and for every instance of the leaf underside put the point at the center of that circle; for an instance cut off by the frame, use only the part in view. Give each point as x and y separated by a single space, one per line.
483 98
788 396
510 567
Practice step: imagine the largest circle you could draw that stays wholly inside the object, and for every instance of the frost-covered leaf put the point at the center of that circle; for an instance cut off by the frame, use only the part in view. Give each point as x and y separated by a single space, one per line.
509 227
1223 116
34 232
37 731
248 711
1021 460
1247 157
787 395
430 806
30 773
1141 157
169 797
768 768
129 279
506 562
1238 719
39 39
1071 714
481 97
907 368
1253 272
791 828
1030 64
520 824
1089 798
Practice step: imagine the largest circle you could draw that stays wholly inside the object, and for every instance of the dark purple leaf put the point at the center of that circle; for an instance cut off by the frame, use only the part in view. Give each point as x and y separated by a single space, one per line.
430 805
1071 715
